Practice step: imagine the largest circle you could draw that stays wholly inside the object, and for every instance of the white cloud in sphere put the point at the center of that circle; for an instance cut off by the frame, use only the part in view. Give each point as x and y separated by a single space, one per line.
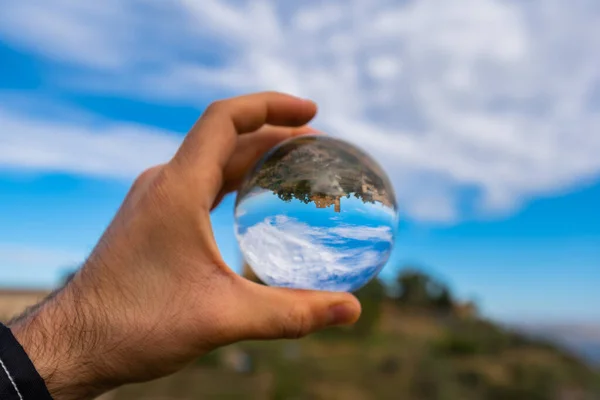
287 251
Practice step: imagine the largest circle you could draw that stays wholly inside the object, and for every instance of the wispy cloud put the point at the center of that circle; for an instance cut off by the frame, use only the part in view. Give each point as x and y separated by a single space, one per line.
498 98
380 233
104 148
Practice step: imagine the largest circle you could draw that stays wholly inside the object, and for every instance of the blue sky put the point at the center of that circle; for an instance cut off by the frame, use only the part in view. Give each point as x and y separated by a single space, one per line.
485 115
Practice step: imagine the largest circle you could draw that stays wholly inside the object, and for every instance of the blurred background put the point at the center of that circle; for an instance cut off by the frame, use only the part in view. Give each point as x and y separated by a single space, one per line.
485 113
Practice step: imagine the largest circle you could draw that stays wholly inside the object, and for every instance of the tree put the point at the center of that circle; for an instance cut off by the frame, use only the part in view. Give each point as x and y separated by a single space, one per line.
418 289
413 288
444 300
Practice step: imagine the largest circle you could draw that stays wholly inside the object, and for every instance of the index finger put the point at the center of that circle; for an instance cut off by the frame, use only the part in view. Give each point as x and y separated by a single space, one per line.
213 138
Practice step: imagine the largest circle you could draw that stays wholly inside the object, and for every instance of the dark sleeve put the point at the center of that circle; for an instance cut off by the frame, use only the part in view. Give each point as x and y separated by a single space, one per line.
19 379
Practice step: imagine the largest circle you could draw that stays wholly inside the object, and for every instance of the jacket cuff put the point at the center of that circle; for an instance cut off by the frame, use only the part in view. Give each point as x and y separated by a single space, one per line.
19 379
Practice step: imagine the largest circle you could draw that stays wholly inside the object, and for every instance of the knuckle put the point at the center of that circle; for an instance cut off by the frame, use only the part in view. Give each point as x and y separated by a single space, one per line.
143 185
145 176
297 323
153 186
216 107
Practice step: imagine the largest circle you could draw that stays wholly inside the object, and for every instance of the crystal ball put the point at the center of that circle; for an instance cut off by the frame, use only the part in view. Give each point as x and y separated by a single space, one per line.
316 213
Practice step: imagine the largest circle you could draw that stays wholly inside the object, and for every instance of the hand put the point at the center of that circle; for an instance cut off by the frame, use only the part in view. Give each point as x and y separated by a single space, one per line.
155 293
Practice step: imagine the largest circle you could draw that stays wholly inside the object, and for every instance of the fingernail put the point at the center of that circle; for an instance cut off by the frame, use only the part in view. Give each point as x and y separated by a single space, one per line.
340 314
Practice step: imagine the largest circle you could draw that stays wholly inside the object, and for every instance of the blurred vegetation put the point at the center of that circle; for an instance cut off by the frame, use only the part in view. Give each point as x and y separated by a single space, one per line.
419 343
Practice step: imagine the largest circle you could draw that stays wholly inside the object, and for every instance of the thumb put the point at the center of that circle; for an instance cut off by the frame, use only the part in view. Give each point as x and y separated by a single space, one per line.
265 312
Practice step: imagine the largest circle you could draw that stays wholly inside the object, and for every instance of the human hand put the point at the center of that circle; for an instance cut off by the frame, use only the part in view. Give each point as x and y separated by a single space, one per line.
155 293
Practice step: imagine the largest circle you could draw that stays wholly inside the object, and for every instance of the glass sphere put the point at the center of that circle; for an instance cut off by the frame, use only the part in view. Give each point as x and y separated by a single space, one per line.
316 213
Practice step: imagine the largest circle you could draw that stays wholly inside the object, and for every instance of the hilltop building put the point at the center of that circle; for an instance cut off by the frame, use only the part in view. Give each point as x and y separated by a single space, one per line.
371 193
326 201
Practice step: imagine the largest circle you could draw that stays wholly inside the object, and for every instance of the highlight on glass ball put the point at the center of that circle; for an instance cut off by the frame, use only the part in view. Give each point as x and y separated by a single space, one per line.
316 213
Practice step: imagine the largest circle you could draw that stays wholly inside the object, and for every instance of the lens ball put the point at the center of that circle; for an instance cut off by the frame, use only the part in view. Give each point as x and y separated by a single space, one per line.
316 213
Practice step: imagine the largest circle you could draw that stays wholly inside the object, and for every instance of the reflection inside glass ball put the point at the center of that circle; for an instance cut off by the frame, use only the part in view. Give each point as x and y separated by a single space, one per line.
316 213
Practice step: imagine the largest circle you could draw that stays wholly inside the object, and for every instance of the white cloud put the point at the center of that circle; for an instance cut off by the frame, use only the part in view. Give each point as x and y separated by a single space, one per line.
383 67
285 251
380 233
104 149
496 97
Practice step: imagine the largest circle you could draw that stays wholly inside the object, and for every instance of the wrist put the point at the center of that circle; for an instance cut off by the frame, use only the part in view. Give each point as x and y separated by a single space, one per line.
58 340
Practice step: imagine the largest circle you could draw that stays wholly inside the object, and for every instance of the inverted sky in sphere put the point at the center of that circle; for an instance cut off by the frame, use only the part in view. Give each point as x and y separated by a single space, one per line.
292 244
